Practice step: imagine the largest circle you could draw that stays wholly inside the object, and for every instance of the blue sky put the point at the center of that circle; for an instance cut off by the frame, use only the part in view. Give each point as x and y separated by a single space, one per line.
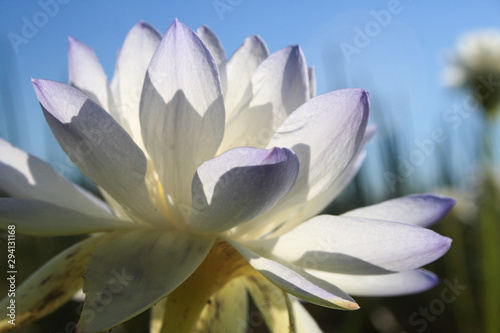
399 59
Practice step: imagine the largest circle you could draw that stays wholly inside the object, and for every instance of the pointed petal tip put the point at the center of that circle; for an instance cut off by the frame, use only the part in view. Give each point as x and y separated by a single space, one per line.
142 24
73 42
296 50
445 203
365 95
254 40
346 304
176 25
143 30
442 246
204 28
40 85
143 27
362 94
450 202
359 94
37 86
354 306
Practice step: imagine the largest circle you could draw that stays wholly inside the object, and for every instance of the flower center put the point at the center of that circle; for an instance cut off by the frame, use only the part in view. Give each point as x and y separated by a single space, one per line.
184 304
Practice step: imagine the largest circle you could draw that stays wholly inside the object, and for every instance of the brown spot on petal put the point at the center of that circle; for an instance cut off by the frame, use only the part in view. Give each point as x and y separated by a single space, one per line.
45 280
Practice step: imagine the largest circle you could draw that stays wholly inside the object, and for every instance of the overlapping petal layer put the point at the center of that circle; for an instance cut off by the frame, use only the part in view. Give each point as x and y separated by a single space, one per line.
239 185
36 217
418 209
128 80
240 69
98 146
52 285
87 75
130 271
296 281
215 46
355 245
279 85
25 176
187 147
327 133
395 284
182 113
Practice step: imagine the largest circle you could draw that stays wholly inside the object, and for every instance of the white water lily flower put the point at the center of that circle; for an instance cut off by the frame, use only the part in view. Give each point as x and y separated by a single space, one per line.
214 172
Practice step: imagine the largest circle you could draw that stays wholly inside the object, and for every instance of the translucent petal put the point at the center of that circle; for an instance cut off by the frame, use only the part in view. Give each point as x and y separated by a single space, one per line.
51 285
98 146
26 176
418 209
239 185
351 245
182 113
131 271
35 217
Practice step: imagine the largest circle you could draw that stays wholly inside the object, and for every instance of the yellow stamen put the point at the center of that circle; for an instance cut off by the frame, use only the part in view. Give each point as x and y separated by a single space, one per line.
185 303
164 202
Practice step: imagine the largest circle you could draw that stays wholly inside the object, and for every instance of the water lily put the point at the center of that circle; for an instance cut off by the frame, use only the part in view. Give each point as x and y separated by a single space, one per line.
213 172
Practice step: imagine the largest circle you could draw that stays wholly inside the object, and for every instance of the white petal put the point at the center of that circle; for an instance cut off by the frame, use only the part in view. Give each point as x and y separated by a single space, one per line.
118 210
304 322
326 133
328 160
312 82
280 221
215 46
182 112
356 245
40 218
240 69
419 209
293 216
98 146
282 81
239 185
26 176
278 87
128 80
87 75
395 284
51 285
297 282
134 270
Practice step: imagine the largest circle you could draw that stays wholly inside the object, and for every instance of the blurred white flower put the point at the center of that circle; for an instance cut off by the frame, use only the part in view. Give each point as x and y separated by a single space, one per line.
475 65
